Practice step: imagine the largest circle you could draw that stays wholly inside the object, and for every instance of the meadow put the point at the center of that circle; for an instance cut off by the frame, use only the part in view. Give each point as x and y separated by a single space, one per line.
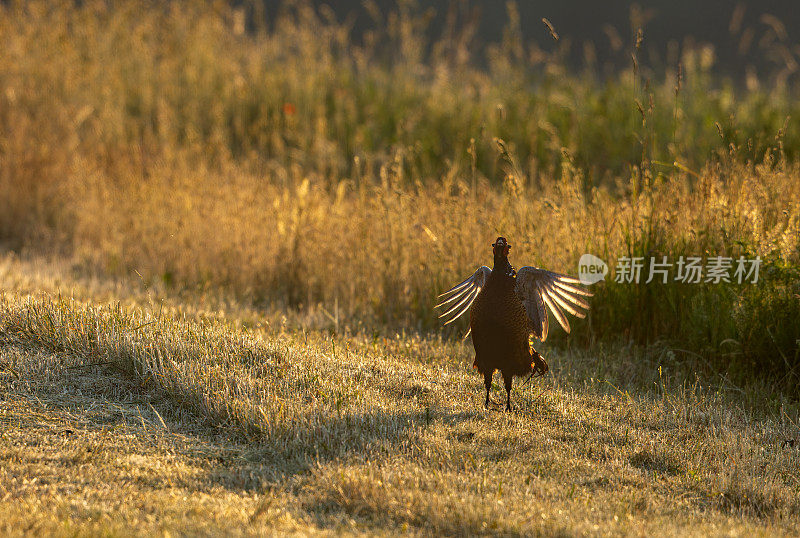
222 242
129 410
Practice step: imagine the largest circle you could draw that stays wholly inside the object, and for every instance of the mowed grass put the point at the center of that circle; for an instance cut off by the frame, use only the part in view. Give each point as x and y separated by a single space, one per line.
122 418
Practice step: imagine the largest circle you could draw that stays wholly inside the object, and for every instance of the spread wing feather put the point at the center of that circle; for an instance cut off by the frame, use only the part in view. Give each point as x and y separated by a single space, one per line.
561 288
463 294
537 288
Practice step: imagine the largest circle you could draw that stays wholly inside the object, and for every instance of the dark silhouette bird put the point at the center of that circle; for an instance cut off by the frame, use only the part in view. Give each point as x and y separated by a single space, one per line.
507 308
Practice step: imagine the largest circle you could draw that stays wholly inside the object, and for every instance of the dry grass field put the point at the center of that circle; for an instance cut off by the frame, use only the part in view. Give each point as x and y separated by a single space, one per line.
221 242
122 418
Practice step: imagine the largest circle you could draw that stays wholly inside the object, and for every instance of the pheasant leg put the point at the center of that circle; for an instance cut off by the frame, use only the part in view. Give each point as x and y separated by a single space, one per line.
487 380
508 381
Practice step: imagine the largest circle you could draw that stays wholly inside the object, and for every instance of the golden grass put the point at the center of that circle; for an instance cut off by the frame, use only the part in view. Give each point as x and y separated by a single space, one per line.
377 256
250 230
289 167
190 424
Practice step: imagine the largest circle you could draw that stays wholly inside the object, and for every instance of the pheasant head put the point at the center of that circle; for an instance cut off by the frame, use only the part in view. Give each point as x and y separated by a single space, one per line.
500 248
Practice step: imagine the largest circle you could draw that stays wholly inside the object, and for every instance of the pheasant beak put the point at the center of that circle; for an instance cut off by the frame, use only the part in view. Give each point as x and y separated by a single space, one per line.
501 245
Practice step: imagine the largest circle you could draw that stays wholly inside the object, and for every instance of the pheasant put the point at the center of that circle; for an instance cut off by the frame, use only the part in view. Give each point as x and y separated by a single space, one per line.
507 308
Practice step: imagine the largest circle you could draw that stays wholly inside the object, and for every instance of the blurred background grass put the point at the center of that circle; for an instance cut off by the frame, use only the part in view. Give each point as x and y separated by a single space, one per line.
192 146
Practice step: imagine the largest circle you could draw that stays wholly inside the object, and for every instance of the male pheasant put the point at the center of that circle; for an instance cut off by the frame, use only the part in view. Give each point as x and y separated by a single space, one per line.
507 308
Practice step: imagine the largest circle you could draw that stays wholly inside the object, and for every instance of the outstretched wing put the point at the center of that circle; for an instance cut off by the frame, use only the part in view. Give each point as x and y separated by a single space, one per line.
537 288
460 297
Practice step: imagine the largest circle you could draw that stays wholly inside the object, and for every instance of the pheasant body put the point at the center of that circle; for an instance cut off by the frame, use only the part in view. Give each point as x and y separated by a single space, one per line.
500 329
507 309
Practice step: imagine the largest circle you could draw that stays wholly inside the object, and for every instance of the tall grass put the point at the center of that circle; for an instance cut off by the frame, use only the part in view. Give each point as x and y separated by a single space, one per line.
188 144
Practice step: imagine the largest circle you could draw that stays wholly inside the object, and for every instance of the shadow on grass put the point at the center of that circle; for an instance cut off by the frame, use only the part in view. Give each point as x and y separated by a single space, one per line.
316 439
103 398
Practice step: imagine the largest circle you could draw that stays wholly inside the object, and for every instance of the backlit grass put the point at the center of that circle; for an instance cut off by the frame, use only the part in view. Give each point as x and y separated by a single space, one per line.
221 241
288 166
119 417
